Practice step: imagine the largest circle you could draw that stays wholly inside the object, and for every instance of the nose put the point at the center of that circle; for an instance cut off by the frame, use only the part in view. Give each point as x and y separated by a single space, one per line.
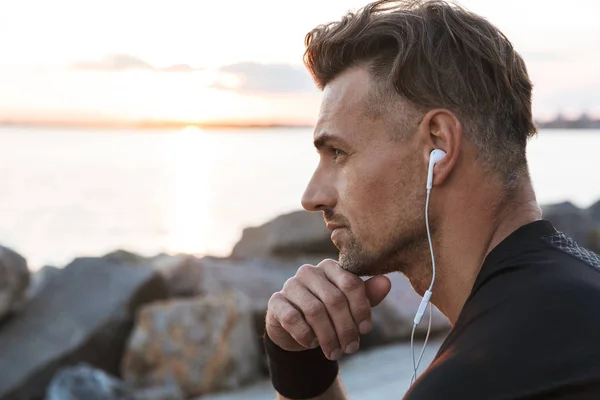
320 193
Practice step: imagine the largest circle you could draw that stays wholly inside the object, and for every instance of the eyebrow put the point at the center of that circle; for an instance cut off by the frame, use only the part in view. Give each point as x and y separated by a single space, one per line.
325 139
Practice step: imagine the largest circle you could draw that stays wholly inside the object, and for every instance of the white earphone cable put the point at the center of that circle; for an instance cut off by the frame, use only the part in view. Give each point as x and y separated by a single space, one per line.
425 301
429 238
416 367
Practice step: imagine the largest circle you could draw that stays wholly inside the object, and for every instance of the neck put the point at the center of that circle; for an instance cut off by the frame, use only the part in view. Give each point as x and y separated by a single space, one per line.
464 238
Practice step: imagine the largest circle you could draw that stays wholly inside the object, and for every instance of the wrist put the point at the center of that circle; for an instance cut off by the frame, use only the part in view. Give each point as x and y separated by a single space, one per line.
299 374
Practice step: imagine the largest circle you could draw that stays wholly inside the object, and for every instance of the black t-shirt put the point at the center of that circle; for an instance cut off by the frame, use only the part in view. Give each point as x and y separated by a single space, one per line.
530 329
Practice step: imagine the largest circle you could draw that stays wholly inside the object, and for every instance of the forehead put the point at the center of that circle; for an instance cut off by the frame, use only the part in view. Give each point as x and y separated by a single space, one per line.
345 104
347 92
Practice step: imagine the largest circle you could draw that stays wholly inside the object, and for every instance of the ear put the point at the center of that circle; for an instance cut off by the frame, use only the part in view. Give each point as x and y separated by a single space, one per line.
441 129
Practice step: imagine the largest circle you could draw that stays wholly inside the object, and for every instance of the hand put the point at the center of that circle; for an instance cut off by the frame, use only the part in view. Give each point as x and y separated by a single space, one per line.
325 306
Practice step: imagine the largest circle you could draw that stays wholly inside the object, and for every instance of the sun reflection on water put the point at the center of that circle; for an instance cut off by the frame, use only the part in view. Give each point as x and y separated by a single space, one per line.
194 170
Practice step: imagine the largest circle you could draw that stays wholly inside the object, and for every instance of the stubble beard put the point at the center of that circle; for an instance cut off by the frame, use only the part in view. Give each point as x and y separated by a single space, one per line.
404 251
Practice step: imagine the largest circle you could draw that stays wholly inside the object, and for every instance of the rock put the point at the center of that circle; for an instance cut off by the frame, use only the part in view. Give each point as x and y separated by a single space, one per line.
256 279
85 316
182 272
14 280
297 233
393 317
203 345
594 212
124 257
82 381
40 278
569 219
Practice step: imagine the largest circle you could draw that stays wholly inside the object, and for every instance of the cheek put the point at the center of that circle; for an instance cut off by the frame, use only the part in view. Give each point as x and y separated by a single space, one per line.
374 185
370 198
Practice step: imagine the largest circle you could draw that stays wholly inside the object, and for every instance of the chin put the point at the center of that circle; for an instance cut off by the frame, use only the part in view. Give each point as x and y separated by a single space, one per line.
364 265
404 259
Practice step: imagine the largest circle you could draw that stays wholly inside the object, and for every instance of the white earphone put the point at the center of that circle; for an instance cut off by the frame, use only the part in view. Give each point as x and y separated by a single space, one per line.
434 157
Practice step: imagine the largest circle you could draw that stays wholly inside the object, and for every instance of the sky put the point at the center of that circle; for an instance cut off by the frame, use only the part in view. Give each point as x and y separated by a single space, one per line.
240 59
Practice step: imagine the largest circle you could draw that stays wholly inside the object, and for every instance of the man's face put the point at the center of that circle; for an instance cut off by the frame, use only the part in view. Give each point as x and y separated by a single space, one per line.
370 186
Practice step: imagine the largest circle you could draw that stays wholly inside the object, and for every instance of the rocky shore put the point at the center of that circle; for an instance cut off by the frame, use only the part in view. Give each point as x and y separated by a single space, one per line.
172 327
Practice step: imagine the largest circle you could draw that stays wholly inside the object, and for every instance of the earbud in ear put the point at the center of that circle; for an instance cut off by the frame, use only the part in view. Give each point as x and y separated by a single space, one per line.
434 157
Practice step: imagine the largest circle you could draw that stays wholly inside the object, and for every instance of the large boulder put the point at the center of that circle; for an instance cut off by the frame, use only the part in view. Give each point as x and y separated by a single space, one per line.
41 278
14 281
296 233
182 272
594 212
84 315
256 279
121 256
203 345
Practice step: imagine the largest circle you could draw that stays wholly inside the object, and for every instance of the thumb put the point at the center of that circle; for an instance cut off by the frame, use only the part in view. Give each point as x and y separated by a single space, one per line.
377 288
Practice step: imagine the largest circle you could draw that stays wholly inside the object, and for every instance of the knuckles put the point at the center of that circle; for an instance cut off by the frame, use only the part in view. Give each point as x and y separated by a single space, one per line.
328 263
275 297
291 282
335 299
349 282
306 271
314 310
290 317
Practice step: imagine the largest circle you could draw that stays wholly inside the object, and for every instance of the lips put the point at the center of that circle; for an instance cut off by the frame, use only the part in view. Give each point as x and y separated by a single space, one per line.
333 227
336 236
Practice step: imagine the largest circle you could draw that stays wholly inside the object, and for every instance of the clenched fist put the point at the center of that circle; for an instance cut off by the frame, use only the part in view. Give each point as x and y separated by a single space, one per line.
325 306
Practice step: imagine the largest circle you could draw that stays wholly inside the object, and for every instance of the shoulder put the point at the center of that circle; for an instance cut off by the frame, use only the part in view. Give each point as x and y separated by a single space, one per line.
555 279
535 324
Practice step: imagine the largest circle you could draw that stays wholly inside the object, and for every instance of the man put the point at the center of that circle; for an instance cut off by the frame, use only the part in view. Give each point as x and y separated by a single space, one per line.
399 80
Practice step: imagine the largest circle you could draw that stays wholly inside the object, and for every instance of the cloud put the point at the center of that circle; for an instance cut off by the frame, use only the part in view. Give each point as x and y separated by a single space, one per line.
125 62
179 68
255 78
114 62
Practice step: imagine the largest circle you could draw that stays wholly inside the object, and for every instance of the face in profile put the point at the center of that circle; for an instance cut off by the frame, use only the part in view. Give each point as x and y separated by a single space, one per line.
369 183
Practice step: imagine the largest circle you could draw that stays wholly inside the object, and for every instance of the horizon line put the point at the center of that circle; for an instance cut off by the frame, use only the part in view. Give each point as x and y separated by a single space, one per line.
148 124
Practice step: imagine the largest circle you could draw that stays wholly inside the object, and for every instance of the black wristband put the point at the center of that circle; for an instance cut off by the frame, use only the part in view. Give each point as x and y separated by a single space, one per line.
299 374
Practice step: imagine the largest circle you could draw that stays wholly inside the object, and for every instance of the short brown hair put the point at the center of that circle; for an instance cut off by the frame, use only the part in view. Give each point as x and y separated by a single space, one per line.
436 54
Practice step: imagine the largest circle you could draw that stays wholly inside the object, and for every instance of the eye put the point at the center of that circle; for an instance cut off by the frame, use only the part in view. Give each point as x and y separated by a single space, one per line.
337 153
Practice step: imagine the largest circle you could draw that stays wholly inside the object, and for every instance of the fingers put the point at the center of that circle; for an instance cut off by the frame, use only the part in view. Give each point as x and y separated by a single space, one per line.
324 306
315 313
353 289
377 288
292 321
